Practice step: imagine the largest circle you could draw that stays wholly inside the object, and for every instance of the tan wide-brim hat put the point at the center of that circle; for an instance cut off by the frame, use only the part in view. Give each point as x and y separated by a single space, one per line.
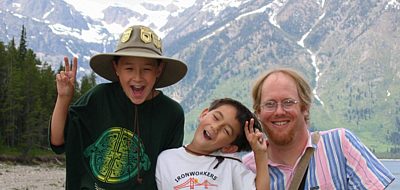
139 41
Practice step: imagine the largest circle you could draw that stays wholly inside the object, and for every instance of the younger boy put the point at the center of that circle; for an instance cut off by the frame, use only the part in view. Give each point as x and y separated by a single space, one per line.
208 160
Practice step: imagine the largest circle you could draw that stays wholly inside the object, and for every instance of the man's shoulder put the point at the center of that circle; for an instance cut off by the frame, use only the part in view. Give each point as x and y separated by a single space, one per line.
334 131
248 158
339 135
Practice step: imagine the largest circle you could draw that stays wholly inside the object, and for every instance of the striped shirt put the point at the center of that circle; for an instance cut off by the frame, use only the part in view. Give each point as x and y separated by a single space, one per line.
340 161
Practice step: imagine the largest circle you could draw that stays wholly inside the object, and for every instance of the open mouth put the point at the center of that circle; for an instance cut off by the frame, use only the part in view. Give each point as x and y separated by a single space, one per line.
137 90
207 135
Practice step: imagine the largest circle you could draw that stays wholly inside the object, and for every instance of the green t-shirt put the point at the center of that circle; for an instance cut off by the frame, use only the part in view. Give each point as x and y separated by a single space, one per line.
104 149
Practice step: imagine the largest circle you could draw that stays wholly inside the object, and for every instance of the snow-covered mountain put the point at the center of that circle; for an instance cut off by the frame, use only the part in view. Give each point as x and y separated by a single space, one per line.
115 16
58 28
348 50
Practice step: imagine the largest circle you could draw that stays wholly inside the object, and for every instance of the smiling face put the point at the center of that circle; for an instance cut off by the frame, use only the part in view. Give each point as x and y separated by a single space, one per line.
282 126
137 77
217 129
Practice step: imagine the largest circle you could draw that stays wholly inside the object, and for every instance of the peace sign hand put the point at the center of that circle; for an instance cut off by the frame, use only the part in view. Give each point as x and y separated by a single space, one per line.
66 80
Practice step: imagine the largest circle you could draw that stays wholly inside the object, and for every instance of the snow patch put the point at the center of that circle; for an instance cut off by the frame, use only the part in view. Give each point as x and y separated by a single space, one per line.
18 15
91 35
313 56
215 32
94 9
48 13
301 41
72 53
260 10
217 6
321 3
16 5
275 7
394 4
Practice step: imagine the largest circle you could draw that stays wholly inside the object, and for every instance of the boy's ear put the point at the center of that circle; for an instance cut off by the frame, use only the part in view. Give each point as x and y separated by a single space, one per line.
203 113
115 67
160 69
229 149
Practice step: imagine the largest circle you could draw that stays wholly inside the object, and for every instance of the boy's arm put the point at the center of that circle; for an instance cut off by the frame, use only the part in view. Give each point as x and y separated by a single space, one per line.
259 146
65 89
262 174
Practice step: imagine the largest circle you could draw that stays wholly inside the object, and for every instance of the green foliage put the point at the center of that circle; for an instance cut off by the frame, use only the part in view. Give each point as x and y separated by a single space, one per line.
87 83
27 98
16 152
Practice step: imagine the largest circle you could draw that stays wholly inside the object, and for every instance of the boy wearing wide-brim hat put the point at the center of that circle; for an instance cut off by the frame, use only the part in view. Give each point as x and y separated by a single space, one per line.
113 134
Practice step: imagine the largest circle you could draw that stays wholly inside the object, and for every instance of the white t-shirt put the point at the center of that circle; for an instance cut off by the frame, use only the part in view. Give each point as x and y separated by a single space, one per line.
177 169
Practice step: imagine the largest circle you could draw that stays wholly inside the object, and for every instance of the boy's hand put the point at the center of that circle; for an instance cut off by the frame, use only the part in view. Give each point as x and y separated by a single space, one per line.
255 137
66 80
259 146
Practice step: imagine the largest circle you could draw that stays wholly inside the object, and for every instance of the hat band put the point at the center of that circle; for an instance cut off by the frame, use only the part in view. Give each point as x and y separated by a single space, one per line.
138 49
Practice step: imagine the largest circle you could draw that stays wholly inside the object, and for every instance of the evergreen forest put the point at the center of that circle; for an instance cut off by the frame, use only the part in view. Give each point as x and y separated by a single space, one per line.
27 97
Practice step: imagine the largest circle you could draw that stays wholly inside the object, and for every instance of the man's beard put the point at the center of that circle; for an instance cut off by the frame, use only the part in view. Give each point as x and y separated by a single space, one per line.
280 137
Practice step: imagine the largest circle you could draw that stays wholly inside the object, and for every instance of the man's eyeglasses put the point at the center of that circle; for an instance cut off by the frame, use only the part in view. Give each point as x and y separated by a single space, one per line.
271 105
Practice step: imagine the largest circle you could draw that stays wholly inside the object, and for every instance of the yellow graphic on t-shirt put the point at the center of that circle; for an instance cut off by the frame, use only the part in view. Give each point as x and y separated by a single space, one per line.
117 156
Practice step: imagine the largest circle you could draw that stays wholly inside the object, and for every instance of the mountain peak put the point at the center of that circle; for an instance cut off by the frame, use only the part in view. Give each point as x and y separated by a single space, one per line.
126 12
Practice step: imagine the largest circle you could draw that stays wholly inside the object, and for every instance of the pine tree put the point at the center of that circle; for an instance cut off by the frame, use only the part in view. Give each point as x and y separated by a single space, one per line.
22 49
3 77
29 117
3 69
10 106
28 94
48 94
87 82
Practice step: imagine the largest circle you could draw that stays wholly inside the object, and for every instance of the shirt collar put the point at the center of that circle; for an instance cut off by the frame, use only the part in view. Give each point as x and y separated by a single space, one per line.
308 145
